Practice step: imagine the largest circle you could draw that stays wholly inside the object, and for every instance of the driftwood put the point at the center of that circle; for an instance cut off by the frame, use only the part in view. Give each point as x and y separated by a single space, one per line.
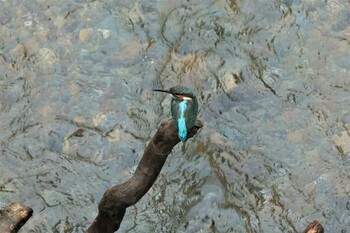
13 217
314 227
116 199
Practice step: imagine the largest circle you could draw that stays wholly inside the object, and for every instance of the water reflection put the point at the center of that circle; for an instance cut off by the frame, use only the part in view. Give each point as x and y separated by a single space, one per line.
271 76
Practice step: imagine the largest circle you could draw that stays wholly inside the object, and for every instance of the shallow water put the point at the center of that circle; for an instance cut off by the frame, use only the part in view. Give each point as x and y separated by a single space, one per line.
272 78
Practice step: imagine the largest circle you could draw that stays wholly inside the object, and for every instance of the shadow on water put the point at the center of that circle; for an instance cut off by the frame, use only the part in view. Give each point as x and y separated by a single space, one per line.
272 80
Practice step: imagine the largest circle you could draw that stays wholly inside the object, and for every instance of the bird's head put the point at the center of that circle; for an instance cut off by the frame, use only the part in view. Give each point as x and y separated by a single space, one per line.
179 93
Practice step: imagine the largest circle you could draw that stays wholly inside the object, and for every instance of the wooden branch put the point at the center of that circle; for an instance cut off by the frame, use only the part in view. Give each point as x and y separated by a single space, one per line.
116 199
314 227
13 217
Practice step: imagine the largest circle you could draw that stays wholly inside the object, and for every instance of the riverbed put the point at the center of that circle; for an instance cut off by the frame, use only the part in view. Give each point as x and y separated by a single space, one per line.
272 80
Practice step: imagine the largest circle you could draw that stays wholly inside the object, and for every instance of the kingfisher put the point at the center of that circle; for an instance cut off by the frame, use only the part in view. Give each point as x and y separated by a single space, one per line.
184 108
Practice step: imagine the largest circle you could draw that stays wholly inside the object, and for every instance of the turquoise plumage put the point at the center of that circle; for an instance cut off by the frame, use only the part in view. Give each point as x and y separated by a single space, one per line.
181 122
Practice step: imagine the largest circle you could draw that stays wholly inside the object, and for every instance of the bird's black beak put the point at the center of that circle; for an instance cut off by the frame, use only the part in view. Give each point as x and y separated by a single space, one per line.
159 90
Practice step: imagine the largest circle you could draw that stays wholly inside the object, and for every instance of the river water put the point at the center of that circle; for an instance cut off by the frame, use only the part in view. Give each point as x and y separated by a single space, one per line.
273 81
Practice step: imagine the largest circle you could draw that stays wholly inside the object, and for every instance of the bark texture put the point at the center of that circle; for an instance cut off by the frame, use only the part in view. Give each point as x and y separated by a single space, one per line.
314 227
13 217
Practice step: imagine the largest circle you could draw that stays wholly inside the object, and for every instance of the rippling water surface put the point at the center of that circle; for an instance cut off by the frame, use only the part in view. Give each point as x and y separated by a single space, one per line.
273 82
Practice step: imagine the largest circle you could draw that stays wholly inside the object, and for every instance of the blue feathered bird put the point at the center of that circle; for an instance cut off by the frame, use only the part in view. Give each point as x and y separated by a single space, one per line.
184 108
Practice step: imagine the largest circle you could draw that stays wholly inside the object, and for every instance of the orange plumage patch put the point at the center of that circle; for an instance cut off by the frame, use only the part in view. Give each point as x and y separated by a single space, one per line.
183 97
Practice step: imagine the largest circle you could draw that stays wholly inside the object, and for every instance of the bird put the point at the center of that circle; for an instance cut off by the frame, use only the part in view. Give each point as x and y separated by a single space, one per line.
184 108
